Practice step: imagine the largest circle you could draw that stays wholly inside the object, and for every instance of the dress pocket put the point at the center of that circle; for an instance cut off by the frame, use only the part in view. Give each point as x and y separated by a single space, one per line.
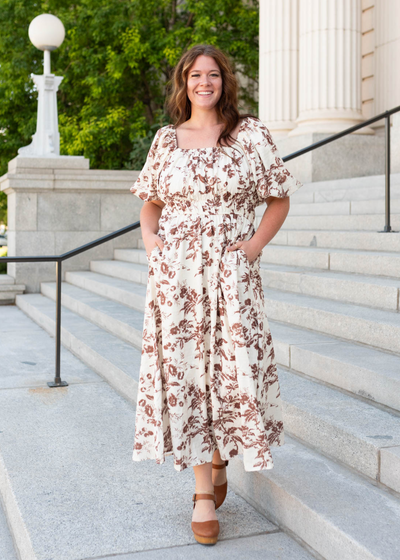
243 252
153 252
254 262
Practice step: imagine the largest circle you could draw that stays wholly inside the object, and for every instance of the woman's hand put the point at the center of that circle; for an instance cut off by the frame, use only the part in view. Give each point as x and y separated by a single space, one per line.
250 248
152 240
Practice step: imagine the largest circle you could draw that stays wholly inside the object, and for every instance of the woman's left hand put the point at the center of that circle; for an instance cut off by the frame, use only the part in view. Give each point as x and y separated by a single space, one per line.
248 247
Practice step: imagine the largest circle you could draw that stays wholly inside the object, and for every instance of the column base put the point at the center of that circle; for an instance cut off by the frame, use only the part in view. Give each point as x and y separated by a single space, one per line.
354 155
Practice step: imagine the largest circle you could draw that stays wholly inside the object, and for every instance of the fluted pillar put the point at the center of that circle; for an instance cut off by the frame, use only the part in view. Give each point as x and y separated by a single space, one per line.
278 64
387 55
329 66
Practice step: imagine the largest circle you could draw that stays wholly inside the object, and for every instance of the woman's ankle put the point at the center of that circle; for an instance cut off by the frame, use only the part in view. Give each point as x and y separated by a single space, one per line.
204 491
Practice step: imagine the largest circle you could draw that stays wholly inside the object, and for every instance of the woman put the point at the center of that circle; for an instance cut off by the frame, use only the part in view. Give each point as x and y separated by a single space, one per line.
208 387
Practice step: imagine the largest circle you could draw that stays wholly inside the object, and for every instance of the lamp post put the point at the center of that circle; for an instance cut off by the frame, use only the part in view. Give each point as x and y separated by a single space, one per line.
47 33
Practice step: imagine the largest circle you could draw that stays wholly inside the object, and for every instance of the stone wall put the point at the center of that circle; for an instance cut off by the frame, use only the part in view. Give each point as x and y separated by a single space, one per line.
57 204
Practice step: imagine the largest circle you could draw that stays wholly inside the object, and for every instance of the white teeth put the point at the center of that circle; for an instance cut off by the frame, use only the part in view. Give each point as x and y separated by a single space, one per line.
204 92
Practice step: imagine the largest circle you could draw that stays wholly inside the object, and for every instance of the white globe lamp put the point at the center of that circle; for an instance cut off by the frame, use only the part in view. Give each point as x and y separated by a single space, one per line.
46 33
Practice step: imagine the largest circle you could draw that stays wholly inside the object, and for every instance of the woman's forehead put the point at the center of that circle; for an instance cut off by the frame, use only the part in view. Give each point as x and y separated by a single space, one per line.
204 62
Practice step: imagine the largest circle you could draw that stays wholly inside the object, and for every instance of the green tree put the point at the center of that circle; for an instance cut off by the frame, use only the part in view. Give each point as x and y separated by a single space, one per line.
116 59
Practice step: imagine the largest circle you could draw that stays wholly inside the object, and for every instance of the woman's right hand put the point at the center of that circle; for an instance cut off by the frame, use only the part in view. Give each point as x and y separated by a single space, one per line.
152 241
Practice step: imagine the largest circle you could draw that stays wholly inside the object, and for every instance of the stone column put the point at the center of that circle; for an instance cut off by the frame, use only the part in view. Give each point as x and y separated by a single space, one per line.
278 65
387 56
329 66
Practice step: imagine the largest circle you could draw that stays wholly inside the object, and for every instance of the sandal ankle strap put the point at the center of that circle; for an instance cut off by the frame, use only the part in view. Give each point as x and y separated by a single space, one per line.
215 466
203 497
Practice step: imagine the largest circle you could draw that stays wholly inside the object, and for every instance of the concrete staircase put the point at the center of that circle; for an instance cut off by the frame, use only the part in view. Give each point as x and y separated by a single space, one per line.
9 289
332 287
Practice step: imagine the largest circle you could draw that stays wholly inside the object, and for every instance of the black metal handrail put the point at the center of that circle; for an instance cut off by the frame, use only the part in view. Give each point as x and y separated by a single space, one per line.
58 259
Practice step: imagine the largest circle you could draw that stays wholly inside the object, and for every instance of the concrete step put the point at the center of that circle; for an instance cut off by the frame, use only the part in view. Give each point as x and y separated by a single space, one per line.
365 222
116 318
348 189
354 240
341 427
122 270
380 293
335 511
365 372
113 359
343 240
311 193
341 260
372 263
344 208
9 289
368 374
122 291
312 419
373 327
69 484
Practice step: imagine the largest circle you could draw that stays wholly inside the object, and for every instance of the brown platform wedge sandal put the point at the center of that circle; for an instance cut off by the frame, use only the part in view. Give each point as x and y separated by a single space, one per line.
221 489
205 532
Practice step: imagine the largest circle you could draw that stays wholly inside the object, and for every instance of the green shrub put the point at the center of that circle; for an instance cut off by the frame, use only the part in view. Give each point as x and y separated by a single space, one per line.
3 266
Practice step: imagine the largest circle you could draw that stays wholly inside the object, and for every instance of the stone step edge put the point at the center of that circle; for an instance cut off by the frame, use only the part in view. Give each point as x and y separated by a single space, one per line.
283 239
331 323
17 527
137 256
106 322
353 322
98 266
125 385
295 515
295 270
314 259
74 279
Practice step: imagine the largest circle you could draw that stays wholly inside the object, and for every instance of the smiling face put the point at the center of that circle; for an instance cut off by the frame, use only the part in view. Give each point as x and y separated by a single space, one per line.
204 82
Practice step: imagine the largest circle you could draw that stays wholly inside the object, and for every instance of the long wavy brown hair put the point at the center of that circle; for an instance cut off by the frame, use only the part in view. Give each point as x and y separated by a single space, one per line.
178 104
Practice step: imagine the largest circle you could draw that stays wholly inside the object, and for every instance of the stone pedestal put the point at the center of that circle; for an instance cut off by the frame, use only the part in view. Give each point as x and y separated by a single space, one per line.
57 204
395 144
349 156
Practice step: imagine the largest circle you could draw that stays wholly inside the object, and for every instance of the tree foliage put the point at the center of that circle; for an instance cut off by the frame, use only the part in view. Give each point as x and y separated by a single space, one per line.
116 60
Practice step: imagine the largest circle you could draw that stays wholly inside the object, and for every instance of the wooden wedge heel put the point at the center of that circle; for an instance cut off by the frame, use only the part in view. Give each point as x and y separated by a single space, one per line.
205 532
221 489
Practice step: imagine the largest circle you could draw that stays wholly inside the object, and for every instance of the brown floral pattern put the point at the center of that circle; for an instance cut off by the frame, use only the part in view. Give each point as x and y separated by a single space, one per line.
208 376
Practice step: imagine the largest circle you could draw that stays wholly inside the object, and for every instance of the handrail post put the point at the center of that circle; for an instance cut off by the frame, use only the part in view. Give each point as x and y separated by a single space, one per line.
57 379
387 227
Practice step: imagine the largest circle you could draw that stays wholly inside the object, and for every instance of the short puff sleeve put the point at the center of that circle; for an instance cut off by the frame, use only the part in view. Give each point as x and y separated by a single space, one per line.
145 186
272 177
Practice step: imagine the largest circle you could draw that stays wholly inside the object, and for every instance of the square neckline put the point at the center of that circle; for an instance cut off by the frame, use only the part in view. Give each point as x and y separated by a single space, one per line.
207 147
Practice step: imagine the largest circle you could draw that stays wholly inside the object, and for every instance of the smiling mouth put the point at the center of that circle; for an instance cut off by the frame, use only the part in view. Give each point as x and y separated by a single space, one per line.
204 93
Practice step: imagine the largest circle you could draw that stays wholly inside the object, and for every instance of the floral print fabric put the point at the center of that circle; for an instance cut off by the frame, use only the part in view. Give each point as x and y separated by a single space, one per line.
208 377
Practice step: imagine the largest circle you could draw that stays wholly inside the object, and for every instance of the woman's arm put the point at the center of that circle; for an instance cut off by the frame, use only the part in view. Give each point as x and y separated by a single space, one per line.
271 222
149 216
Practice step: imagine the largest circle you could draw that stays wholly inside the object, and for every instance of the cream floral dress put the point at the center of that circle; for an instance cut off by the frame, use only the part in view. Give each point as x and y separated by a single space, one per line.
208 377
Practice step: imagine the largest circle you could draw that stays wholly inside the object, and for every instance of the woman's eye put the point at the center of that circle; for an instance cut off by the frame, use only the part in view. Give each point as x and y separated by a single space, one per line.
195 75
